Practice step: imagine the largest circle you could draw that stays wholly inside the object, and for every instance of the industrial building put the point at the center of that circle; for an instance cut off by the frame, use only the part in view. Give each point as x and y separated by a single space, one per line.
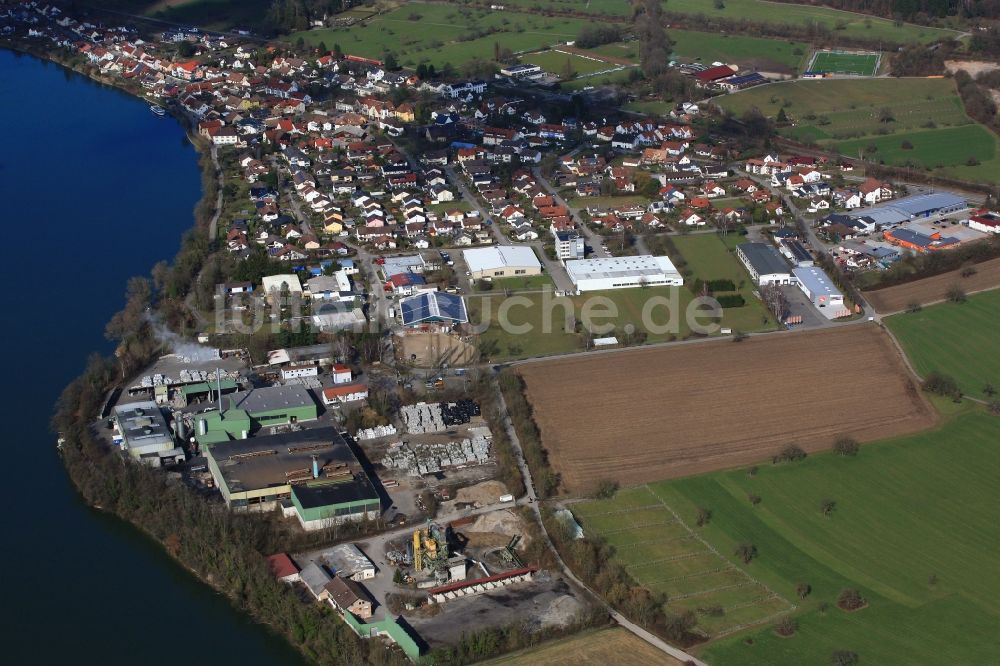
274 284
318 354
311 474
919 242
622 273
247 411
912 207
502 261
765 264
818 287
433 308
141 431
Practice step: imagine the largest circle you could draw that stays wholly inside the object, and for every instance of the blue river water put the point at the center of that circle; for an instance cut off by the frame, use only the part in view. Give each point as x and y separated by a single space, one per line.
94 189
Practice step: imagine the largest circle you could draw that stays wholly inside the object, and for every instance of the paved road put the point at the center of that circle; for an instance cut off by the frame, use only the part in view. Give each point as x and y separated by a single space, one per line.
467 194
627 624
593 239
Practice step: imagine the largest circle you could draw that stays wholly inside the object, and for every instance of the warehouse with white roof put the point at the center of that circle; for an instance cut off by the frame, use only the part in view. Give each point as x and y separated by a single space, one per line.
818 287
502 261
623 273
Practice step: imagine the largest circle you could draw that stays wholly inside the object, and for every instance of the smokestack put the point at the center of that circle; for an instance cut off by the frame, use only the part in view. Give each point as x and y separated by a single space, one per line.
218 386
315 467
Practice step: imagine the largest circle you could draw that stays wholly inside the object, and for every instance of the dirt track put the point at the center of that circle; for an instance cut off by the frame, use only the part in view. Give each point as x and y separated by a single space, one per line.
653 414
929 290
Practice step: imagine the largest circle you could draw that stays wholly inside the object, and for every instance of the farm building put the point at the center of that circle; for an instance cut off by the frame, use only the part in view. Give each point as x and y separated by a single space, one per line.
818 287
765 264
433 308
502 261
315 469
713 74
743 81
622 273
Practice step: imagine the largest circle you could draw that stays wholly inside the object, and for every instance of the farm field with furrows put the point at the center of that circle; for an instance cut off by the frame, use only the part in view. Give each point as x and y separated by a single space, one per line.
956 339
649 414
932 289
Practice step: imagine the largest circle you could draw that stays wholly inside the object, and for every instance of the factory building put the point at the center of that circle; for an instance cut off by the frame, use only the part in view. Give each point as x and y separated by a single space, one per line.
818 287
502 261
764 264
311 474
246 411
622 273
140 430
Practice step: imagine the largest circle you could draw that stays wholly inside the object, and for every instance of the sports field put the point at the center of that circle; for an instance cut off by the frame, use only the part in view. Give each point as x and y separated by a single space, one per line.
438 34
837 62
604 646
960 340
557 62
913 528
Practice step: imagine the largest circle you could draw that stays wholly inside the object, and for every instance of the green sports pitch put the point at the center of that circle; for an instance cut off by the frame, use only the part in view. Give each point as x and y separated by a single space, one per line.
839 62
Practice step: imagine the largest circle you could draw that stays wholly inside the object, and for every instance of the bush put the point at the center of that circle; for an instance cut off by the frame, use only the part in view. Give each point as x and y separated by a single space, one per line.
720 285
731 300
968 271
702 516
851 600
956 295
906 145
786 627
827 506
846 446
606 489
941 384
843 658
791 453
746 552
803 590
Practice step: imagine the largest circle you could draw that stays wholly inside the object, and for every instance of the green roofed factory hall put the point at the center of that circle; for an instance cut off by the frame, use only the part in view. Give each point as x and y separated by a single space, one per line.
311 474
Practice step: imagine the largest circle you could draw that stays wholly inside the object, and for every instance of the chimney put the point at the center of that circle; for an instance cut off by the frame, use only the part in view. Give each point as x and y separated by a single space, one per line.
315 467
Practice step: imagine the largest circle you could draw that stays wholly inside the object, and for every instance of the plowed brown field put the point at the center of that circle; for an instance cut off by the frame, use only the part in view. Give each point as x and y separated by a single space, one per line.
932 289
651 414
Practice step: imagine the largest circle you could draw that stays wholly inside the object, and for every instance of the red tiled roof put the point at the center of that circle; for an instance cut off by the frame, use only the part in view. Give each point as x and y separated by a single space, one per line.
281 565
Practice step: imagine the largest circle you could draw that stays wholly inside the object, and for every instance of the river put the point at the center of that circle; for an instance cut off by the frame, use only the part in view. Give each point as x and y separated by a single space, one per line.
96 189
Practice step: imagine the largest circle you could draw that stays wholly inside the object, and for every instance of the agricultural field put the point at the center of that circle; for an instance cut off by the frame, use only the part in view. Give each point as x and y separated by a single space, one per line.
604 646
837 62
665 553
707 47
556 62
957 339
855 26
858 115
715 405
439 34
933 289
932 148
912 527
